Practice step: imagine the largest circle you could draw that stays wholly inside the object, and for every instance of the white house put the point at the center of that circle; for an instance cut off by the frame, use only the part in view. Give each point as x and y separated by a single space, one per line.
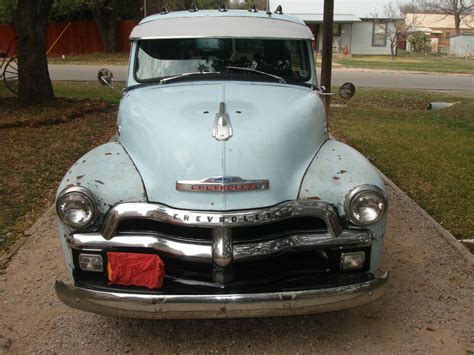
359 25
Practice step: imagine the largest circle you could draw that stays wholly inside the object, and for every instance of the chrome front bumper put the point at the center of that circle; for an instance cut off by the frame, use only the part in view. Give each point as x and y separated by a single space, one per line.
145 306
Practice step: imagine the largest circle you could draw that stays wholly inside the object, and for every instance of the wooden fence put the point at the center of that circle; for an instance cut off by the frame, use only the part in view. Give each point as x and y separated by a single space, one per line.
81 37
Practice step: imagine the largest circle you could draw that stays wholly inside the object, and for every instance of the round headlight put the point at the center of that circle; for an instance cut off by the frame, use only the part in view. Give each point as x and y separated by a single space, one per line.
366 205
76 207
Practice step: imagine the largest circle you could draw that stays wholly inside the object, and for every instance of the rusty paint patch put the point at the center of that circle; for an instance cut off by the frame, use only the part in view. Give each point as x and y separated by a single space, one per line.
84 161
108 153
69 185
316 198
335 177
79 177
99 182
342 172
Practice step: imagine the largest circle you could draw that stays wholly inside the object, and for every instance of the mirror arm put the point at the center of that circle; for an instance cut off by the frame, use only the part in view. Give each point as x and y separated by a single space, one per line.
122 92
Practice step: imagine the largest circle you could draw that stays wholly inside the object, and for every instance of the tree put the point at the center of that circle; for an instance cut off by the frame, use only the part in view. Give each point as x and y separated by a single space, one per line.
419 42
392 23
7 10
106 16
456 8
31 22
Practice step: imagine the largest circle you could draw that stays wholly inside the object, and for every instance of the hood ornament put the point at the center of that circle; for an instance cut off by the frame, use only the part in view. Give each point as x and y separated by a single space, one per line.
222 184
222 129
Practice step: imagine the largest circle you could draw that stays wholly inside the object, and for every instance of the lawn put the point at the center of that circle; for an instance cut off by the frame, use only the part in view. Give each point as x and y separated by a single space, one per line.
120 58
423 63
41 143
429 154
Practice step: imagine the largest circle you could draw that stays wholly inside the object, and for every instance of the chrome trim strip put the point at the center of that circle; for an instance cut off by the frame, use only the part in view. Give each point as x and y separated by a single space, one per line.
204 252
285 210
162 306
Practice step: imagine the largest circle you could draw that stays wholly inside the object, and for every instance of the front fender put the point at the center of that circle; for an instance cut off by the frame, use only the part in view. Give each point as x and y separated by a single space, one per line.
334 172
109 173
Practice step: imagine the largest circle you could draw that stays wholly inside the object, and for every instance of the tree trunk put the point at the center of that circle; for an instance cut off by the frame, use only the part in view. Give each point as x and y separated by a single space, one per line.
31 23
457 22
106 17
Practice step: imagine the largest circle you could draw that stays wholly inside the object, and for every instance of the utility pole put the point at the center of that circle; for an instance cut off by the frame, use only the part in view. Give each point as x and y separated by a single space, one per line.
326 64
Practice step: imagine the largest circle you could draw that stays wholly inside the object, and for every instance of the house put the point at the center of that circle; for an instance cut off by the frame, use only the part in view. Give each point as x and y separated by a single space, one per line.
357 27
439 27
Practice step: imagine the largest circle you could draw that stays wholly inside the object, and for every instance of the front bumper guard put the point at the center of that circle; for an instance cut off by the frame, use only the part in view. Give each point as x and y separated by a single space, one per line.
132 305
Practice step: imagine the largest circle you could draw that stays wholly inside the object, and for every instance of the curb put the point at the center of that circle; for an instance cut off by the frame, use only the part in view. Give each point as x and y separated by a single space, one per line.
443 232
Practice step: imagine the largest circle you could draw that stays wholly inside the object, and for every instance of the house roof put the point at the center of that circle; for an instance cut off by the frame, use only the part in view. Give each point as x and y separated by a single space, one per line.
434 21
318 17
213 23
355 8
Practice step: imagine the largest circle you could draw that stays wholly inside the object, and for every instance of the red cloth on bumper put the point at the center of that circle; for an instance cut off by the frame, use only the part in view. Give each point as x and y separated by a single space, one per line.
136 269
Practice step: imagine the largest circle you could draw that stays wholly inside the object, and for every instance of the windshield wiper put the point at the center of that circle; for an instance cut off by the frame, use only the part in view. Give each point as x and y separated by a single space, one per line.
279 78
182 75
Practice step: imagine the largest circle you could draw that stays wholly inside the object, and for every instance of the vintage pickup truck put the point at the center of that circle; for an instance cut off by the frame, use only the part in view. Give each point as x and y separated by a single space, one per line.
223 194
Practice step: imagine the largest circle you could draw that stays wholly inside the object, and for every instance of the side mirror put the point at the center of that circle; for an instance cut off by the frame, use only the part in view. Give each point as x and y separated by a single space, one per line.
347 91
105 77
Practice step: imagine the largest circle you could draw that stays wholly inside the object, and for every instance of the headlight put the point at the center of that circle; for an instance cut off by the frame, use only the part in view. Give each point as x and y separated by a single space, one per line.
365 205
76 207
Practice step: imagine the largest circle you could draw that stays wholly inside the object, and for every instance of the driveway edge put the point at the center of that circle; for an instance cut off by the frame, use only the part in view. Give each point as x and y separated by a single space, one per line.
445 234
4 260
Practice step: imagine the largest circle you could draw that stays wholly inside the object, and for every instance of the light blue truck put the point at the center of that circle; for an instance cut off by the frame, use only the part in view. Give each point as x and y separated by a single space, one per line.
223 187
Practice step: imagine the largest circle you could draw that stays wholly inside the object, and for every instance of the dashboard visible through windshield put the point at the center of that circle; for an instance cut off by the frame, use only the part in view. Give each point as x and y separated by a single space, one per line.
157 59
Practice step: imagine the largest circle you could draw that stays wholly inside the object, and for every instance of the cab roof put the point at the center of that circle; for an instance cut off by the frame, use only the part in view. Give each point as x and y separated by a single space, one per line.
213 23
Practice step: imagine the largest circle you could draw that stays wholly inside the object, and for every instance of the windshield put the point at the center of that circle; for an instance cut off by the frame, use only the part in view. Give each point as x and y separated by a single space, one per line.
162 58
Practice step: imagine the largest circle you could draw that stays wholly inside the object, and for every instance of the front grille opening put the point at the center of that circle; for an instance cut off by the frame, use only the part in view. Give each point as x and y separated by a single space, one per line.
168 229
296 225
289 226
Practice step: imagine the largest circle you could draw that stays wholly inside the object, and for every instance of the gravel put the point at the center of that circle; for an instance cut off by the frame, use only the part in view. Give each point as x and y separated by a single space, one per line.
427 308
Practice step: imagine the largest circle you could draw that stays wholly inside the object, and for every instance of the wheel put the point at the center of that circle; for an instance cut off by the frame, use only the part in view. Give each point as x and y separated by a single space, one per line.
10 75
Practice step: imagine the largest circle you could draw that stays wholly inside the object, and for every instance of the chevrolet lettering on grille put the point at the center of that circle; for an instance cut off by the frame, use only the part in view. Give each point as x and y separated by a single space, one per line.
222 184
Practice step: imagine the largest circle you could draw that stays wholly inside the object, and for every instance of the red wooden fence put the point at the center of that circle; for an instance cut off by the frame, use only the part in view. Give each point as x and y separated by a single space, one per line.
81 37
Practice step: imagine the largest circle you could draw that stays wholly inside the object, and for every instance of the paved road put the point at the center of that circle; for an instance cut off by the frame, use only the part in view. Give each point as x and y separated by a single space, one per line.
361 78
427 308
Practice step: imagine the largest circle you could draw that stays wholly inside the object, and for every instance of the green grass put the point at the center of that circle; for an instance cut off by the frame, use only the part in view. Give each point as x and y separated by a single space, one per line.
422 63
429 154
88 90
120 58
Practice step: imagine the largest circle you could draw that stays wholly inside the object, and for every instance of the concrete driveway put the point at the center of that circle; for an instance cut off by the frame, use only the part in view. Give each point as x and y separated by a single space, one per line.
427 309
361 78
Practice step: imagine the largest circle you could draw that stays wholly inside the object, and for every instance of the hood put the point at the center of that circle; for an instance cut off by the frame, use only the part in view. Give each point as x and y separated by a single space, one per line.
168 132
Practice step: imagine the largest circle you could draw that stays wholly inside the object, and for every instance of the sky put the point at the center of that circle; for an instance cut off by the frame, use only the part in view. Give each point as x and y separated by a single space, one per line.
360 8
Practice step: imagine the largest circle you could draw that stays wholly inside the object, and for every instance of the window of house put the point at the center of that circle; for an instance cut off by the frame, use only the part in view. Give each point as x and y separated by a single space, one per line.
448 35
379 34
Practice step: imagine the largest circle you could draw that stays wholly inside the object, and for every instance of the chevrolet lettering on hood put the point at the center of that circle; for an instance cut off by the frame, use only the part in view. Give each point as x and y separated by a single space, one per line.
176 218
222 184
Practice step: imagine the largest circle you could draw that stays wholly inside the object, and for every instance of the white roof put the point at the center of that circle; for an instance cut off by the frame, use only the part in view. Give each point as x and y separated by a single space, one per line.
357 8
318 17
230 24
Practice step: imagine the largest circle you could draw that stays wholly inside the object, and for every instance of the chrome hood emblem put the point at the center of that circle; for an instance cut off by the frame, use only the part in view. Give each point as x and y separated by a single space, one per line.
222 129
222 184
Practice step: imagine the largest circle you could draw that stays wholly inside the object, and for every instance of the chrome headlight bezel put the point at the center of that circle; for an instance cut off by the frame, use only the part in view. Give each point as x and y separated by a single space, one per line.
359 191
81 192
